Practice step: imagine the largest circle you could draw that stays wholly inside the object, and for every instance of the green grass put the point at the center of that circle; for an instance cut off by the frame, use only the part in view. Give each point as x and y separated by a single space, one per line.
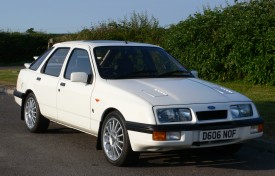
8 77
263 96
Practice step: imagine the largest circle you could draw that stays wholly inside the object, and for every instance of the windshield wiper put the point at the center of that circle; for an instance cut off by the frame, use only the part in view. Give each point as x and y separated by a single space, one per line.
178 73
144 72
152 74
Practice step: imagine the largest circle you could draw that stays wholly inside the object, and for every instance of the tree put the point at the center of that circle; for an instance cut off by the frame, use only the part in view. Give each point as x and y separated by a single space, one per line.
30 31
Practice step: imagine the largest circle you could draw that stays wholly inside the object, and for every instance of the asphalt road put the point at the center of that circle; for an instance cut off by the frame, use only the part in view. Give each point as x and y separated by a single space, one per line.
63 151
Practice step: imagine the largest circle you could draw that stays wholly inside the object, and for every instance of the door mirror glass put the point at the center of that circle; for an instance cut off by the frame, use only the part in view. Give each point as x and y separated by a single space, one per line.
79 77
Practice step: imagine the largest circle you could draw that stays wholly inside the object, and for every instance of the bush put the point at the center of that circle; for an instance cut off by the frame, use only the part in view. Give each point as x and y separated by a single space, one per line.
138 28
234 43
224 44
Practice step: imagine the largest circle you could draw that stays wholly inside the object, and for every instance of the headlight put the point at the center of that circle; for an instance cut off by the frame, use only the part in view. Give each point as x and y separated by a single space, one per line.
174 115
241 110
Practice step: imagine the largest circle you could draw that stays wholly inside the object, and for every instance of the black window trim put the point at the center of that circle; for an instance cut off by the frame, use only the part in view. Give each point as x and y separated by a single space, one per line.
38 59
98 65
91 64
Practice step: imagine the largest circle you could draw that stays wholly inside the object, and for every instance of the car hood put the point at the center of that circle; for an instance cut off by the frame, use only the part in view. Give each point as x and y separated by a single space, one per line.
172 91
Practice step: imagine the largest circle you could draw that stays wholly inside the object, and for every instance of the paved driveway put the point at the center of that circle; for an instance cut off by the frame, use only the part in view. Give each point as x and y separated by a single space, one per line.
63 151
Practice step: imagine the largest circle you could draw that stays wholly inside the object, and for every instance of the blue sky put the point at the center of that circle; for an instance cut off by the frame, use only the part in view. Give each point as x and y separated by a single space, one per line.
67 16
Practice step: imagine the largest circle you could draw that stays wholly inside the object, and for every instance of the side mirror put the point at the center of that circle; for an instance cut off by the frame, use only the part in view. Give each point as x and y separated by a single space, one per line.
35 57
79 77
195 73
27 65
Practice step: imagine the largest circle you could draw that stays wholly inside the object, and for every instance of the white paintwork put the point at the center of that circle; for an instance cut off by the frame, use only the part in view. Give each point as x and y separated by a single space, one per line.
73 103
81 106
45 92
166 91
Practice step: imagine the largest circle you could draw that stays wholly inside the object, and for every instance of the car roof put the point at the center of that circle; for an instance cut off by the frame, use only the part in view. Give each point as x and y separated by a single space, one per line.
95 43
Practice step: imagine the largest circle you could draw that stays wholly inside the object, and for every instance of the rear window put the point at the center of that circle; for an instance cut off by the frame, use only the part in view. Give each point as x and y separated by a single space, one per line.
36 63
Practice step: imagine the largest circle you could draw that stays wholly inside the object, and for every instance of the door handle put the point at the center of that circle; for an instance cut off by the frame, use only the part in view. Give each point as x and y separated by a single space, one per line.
38 78
62 84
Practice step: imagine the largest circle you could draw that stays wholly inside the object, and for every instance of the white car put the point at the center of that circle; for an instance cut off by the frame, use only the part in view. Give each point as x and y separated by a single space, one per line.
134 97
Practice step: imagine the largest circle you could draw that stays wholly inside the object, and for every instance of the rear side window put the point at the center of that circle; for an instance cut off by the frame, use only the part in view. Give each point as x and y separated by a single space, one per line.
55 62
35 64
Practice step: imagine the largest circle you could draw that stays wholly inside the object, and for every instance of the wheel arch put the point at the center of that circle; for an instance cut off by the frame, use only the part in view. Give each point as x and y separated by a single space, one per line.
105 113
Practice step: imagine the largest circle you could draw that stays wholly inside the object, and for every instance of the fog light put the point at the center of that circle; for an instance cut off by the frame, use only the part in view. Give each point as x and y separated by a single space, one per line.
159 136
173 135
166 136
256 129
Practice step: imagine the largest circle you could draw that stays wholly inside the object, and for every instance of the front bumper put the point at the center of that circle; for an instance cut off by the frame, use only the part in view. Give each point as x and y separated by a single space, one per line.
141 134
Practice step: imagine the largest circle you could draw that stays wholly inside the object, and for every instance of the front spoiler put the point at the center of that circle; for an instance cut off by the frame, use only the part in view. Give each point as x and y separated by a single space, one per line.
147 128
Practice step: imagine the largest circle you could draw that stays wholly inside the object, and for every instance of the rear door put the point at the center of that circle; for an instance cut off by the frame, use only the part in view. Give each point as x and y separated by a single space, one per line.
45 85
74 98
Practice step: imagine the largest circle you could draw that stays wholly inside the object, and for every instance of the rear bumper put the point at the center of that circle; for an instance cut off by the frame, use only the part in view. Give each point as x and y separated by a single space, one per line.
18 94
18 97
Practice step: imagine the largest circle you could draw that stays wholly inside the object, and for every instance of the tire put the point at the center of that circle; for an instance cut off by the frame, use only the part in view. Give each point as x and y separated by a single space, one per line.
115 141
34 120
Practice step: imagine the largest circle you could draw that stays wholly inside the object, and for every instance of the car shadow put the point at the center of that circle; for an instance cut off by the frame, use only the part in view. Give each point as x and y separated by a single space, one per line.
242 160
59 129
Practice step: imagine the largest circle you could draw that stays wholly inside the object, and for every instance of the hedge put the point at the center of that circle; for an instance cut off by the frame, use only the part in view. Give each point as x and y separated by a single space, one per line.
224 44
233 43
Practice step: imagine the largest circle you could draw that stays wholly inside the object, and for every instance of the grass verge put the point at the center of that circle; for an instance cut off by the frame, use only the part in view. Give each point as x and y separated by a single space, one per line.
264 98
8 77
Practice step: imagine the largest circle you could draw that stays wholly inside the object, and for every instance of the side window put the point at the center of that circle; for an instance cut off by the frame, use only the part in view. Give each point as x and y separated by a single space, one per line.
79 61
55 62
35 65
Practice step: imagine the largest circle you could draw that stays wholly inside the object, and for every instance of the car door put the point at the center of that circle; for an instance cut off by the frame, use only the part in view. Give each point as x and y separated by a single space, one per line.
74 98
45 85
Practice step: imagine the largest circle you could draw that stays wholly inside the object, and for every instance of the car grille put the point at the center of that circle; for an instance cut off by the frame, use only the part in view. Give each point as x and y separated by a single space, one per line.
211 115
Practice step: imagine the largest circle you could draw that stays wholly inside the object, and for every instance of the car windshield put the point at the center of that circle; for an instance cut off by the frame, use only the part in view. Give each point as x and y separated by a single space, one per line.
127 62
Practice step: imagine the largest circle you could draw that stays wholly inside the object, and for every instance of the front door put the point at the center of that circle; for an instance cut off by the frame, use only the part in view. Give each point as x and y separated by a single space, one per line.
74 98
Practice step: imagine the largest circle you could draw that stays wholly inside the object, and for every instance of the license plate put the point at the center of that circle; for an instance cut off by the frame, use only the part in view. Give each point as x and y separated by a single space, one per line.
224 134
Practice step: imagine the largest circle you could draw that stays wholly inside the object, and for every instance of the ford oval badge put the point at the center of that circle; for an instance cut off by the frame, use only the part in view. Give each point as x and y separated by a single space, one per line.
211 107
